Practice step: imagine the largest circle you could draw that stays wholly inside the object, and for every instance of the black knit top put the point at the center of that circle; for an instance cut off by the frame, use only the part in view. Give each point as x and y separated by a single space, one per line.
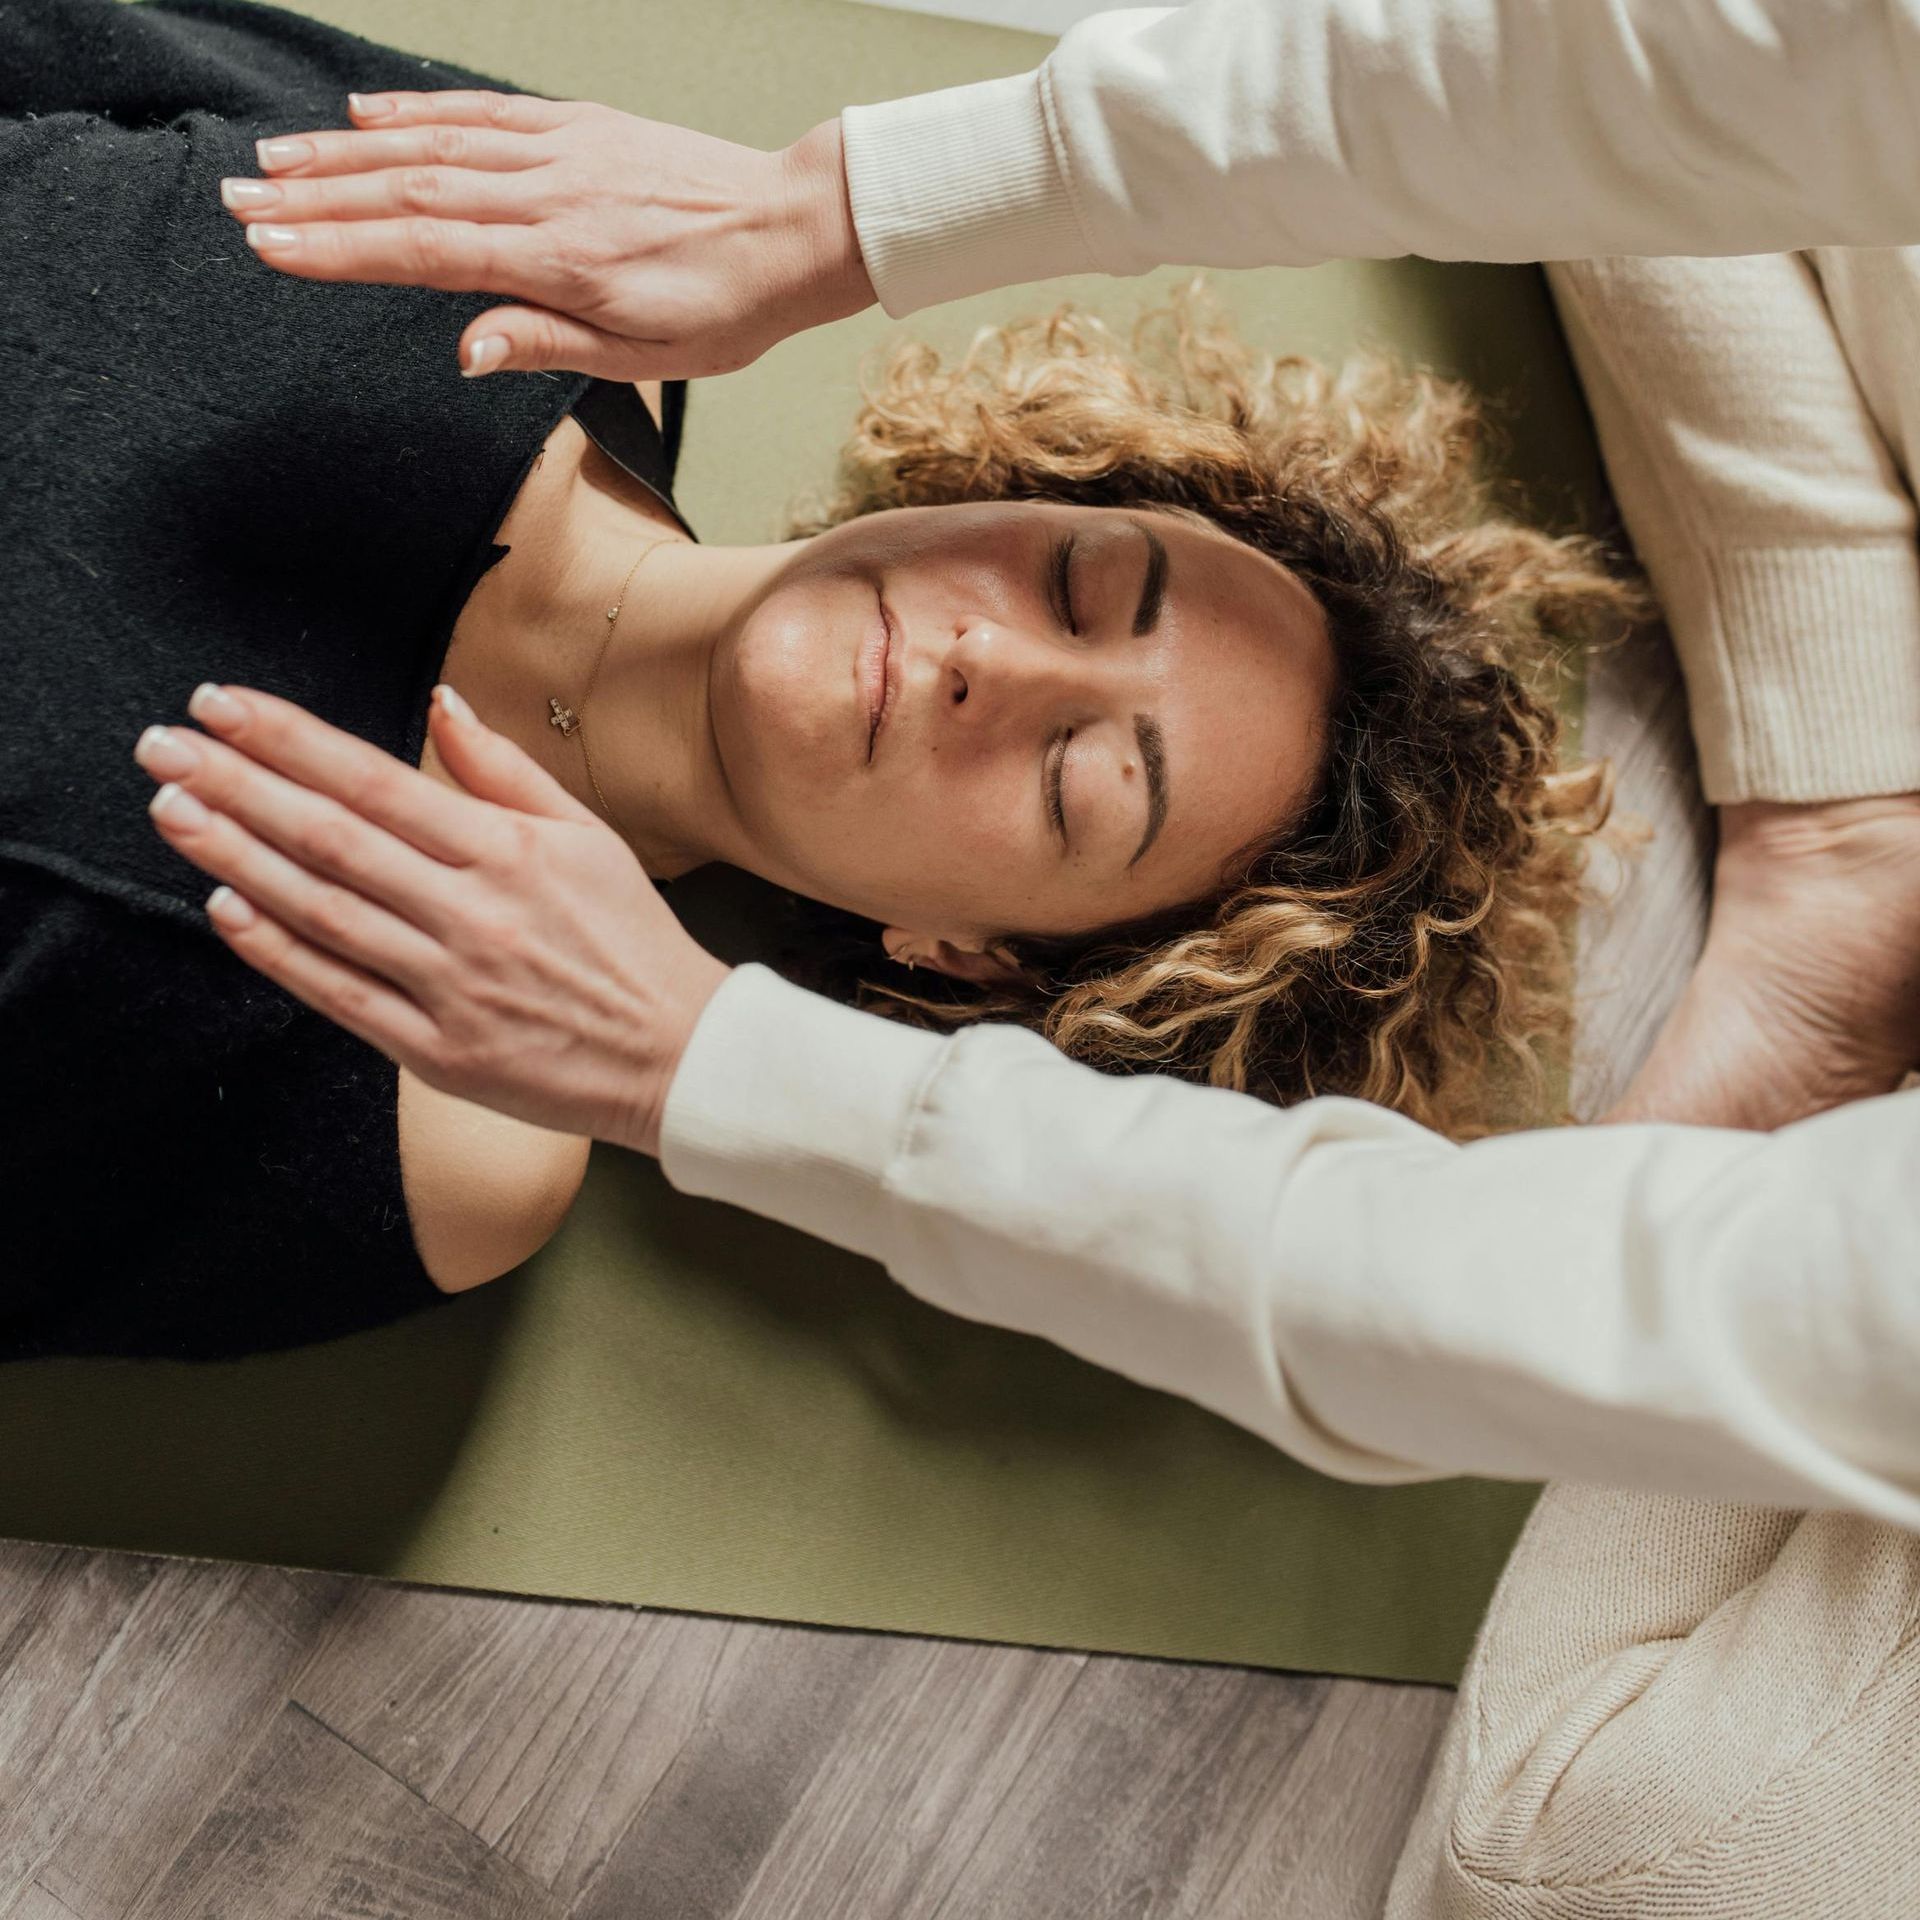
208 471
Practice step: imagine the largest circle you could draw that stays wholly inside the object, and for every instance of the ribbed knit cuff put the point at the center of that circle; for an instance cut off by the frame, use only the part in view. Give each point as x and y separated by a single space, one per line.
959 191
1820 696
794 1106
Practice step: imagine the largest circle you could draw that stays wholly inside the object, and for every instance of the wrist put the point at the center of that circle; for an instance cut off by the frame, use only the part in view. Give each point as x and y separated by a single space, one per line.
1807 993
1781 865
831 279
679 1003
1770 842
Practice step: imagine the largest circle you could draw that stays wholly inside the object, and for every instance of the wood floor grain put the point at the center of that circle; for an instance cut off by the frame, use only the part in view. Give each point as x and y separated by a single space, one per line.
775 1709
310 1827
543 1730
36 1903
1151 1777
1332 1832
184 1741
132 1680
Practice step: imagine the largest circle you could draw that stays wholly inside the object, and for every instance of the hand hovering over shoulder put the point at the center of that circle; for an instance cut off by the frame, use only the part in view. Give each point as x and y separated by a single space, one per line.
635 250
501 943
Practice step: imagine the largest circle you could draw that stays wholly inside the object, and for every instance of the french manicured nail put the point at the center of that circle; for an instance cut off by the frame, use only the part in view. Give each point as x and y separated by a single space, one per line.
177 806
371 106
235 194
454 707
483 354
263 239
162 751
215 706
229 909
283 153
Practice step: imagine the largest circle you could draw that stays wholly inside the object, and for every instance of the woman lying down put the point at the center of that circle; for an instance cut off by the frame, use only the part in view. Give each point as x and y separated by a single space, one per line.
1184 705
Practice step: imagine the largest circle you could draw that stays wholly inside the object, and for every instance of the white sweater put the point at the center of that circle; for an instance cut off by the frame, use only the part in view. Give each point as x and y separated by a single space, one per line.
1759 418
1725 1315
1728 1315
1238 133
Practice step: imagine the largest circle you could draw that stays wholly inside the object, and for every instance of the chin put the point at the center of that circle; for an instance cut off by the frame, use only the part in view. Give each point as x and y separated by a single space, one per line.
783 719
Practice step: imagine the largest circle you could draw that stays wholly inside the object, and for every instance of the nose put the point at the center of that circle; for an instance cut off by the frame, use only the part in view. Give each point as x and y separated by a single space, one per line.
998 675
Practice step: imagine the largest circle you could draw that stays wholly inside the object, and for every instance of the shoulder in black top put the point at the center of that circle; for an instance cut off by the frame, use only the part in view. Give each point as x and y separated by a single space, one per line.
210 471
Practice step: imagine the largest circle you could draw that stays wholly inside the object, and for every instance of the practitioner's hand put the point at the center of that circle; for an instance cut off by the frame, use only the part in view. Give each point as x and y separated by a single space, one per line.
636 250
502 943
1807 993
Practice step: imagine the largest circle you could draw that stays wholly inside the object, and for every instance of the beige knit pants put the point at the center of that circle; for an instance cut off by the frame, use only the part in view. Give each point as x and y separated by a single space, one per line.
1682 1709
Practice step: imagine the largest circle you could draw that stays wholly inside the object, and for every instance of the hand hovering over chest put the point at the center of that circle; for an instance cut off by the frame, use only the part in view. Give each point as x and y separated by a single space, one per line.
635 250
501 942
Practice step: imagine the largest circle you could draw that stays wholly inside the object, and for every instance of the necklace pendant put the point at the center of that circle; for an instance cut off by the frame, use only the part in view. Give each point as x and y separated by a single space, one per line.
562 717
613 613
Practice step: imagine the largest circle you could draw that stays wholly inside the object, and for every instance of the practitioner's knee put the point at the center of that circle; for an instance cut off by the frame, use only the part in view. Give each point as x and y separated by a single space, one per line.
1651 1726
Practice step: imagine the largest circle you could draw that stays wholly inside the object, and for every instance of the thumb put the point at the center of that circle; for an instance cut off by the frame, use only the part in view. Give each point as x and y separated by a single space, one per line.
535 339
492 767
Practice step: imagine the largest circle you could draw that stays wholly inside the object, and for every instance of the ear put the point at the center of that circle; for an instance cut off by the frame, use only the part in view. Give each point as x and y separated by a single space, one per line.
989 966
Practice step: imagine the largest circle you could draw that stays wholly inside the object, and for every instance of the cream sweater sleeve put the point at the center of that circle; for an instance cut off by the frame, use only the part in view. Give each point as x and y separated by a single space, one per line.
1726 1315
1766 502
1284 132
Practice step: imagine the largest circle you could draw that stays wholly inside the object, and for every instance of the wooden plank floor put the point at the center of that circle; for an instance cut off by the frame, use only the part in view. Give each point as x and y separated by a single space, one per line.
183 1741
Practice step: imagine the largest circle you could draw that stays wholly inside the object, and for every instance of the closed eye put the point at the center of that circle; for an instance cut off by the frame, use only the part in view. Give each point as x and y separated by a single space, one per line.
1050 770
1060 597
1060 583
1153 588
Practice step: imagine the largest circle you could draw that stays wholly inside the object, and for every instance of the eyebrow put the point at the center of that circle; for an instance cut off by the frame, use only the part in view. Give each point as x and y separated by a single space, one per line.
1153 753
1153 590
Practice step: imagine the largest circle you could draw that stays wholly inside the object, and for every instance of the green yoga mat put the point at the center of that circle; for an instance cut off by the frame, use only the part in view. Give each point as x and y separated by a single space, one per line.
679 1405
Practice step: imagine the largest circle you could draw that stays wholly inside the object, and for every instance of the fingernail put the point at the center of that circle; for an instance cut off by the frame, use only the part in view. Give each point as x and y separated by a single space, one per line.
482 354
451 703
229 909
283 153
162 751
273 239
371 106
178 806
235 194
215 706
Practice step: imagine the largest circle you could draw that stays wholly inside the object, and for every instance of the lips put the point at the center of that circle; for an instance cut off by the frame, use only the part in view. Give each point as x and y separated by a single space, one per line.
879 673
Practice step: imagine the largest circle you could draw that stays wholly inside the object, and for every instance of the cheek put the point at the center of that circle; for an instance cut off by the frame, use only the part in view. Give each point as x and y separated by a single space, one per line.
779 729
969 816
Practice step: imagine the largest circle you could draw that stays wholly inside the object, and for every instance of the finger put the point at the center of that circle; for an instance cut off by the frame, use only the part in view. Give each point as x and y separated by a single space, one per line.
445 193
359 1001
490 139
327 152
453 255
265 731
537 338
318 834
469 106
492 767
344 922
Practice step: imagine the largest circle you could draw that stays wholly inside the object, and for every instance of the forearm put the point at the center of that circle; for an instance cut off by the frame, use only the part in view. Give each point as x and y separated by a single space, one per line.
1286 132
1771 517
1687 1311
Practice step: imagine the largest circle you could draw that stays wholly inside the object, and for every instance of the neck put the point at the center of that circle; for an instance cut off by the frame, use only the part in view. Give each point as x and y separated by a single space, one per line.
647 720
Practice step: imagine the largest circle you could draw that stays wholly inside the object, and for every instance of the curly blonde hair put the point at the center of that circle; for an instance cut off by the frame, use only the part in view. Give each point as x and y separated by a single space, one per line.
1406 939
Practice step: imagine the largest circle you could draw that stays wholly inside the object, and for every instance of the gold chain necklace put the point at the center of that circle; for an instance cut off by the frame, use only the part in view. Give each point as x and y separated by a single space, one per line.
569 719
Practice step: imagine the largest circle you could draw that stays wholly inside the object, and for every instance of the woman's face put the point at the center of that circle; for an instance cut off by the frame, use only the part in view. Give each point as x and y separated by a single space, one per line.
1082 714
